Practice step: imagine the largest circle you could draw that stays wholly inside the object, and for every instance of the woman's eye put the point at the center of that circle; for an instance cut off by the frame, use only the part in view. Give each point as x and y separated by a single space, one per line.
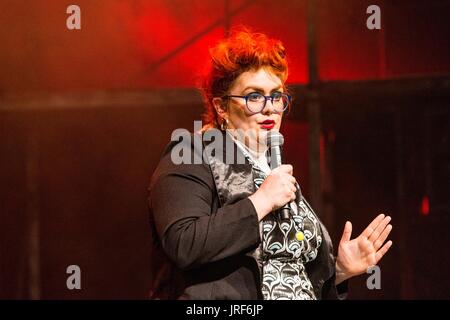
277 95
254 96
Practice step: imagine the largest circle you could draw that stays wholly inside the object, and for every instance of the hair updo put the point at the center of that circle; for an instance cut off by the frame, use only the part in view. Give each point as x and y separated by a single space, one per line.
241 52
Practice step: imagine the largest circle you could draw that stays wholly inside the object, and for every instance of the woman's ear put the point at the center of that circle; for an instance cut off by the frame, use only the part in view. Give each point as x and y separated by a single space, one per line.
221 108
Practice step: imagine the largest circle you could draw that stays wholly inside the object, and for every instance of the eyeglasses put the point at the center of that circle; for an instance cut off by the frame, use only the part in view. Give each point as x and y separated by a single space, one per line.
256 102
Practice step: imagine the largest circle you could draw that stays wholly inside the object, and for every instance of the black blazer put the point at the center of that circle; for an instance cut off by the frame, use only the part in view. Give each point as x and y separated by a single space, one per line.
205 229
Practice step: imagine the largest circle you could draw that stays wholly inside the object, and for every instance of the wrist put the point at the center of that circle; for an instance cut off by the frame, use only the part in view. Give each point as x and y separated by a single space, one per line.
341 275
261 203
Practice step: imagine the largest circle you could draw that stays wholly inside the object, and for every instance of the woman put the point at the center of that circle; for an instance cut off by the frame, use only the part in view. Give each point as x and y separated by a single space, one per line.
218 234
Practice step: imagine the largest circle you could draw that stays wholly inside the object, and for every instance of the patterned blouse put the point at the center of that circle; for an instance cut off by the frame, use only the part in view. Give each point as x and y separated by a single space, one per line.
286 246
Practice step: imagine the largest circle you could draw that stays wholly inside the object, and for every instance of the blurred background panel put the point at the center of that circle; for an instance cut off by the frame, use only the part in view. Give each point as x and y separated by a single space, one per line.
410 42
85 116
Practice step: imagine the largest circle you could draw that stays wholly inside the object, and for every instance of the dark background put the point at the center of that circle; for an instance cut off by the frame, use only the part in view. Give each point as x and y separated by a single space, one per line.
85 115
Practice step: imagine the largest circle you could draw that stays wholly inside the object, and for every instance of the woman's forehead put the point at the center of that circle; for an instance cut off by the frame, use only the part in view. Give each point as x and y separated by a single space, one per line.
258 79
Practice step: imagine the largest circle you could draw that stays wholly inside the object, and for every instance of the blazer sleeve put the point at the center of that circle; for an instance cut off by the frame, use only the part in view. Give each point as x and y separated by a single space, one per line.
191 230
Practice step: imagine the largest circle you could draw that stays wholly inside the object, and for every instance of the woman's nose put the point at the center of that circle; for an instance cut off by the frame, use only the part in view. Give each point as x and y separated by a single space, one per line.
268 108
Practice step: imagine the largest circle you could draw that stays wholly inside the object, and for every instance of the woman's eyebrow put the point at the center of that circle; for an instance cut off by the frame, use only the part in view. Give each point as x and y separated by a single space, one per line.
261 89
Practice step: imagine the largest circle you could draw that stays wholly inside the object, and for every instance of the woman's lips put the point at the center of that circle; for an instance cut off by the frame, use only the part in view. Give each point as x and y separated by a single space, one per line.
267 124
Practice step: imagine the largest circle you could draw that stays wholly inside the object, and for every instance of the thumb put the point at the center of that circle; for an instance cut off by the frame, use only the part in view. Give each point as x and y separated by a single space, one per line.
347 232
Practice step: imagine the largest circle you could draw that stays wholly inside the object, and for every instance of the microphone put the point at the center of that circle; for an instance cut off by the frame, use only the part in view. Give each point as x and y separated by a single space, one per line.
275 141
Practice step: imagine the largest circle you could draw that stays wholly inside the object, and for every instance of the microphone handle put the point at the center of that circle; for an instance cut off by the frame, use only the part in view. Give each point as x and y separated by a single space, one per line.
285 212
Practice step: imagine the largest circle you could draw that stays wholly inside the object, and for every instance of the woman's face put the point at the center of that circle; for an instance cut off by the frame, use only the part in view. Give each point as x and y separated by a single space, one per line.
239 117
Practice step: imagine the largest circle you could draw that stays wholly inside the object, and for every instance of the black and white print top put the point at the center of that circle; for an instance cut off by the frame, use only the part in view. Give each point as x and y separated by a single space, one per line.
281 256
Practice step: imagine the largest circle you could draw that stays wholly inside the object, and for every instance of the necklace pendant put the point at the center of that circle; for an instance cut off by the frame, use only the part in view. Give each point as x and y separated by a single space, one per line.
299 236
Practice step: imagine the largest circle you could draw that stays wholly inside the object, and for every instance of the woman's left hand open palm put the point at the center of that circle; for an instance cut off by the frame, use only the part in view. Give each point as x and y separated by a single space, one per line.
357 255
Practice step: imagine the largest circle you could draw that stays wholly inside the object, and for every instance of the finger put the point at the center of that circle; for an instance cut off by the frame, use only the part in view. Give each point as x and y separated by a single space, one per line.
281 171
371 227
380 253
377 244
347 232
290 180
290 196
289 185
286 168
379 229
293 196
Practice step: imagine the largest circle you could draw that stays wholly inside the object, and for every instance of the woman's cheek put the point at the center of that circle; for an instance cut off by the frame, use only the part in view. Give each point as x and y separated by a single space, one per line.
278 123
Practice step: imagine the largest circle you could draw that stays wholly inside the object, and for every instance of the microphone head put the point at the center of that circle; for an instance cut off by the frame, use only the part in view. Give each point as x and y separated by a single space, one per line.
274 139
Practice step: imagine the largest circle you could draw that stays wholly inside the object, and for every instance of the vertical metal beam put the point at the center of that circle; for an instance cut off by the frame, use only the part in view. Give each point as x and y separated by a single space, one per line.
382 49
227 18
312 46
32 174
427 154
313 108
406 281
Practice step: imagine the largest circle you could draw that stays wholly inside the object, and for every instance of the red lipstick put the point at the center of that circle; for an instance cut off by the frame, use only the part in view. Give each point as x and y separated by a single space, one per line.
267 124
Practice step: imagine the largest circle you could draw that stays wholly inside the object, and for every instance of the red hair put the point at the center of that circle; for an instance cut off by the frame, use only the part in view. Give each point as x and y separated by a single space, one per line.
241 52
